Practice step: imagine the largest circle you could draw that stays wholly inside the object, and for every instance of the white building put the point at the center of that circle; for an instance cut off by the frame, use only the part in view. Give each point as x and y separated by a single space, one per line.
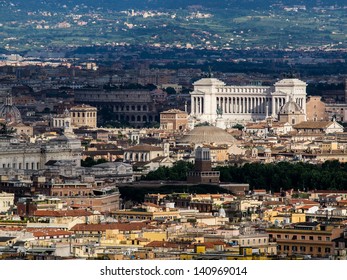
6 201
212 100
33 156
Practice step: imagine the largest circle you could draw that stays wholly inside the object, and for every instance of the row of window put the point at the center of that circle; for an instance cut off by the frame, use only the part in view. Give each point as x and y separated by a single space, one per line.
253 241
83 114
71 193
303 249
27 165
132 108
303 237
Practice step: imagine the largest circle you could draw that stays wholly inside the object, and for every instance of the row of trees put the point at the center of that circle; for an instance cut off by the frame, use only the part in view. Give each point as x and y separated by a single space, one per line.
273 176
285 175
176 173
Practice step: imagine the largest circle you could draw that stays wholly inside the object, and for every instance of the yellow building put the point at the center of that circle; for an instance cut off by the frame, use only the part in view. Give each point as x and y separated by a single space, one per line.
83 115
283 218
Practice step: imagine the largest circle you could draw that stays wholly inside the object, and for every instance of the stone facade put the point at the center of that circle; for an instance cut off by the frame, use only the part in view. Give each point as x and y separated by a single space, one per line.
83 115
142 153
6 202
173 120
315 109
202 173
135 106
34 156
212 99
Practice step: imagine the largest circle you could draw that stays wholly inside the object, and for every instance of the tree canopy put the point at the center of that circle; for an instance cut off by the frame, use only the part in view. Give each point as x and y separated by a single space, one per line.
176 173
285 175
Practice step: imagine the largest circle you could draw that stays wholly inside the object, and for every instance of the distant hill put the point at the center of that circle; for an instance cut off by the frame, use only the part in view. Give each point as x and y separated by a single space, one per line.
221 24
165 4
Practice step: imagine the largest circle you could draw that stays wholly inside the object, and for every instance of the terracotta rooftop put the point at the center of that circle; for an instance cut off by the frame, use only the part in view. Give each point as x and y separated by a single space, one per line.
313 125
104 227
144 148
48 232
62 213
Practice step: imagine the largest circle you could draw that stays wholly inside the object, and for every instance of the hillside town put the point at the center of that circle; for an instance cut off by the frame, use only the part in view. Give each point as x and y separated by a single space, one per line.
68 155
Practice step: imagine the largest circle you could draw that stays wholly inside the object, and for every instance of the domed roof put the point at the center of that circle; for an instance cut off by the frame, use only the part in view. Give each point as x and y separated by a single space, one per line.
207 135
9 112
290 107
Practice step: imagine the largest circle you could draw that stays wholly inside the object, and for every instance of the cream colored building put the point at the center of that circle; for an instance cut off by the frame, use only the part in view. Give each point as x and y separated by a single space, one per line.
142 153
6 201
291 113
83 115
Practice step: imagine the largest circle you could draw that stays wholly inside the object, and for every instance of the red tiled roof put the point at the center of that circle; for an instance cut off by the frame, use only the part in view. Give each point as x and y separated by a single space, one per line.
48 232
104 227
62 213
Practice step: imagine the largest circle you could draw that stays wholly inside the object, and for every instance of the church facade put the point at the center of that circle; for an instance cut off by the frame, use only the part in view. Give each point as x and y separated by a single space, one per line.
33 156
213 100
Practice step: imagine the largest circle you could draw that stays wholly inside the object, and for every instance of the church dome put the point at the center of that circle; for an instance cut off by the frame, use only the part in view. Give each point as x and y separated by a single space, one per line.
207 135
9 112
290 107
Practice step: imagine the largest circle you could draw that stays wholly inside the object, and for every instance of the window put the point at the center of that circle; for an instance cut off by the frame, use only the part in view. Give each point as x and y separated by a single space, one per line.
311 249
294 248
302 248
319 238
319 249
311 237
327 238
327 250
286 236
302 237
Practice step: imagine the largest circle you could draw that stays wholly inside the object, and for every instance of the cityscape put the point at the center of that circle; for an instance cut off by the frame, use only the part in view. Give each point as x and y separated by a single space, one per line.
173 130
